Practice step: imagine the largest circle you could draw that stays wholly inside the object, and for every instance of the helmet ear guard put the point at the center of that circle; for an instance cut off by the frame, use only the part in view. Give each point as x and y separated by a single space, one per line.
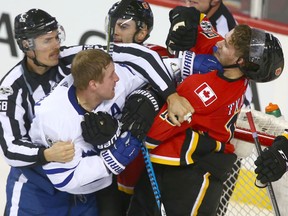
26 45
266 60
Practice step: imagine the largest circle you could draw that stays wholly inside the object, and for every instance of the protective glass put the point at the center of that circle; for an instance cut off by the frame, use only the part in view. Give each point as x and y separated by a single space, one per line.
125 21
44 44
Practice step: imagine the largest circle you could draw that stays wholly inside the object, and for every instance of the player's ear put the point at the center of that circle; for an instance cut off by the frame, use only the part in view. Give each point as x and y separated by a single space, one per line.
93 84
25 44
141 35
240 61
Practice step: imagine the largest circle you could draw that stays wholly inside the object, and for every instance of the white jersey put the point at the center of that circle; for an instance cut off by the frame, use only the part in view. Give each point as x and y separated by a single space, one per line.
21 88
58 118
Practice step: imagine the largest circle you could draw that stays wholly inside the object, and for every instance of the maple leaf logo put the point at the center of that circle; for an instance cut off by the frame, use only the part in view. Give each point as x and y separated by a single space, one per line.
206 94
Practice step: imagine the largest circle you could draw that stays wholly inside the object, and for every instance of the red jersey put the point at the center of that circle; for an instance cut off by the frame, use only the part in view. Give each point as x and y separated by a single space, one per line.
162 51
206 40
217 102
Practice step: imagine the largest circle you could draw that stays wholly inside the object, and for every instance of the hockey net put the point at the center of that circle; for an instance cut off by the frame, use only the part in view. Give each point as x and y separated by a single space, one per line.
240 196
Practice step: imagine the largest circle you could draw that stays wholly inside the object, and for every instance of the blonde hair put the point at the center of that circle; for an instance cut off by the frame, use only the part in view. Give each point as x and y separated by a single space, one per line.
88 65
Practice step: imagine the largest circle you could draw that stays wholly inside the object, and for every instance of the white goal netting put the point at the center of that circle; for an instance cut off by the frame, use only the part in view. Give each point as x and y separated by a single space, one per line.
240 196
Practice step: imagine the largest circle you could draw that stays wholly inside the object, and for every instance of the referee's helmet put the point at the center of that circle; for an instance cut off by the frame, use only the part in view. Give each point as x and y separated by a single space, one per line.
139 11
34 23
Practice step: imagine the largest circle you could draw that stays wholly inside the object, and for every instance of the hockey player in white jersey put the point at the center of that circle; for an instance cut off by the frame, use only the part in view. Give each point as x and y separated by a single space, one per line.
89 89
59 115
44 65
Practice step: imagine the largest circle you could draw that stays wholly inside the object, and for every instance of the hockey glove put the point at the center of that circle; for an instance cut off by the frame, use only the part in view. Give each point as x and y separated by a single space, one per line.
122 153
198 64
273 162
100 129
184 28
139 112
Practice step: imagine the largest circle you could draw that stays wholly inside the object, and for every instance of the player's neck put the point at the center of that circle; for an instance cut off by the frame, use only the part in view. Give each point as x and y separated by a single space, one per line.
212 11
35 68
232 73
86 100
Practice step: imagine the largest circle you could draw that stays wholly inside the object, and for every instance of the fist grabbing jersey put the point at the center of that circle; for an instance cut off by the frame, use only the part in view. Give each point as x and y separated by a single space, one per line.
100 129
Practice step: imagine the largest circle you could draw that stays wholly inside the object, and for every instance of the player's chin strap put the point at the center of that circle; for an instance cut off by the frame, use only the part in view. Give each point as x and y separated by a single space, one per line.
36 62
232 66
236 65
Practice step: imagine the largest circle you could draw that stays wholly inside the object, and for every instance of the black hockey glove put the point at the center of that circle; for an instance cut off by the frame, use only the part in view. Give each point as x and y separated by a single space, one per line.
184 28
100 129
273 162
139 112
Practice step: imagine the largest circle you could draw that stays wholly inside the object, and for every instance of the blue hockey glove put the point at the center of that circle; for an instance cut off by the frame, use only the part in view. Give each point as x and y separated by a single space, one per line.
198 64
204 63
122 153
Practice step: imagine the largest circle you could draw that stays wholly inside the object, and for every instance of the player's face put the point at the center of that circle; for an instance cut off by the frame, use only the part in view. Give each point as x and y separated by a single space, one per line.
125 30
106 90
201 5
46 48
226 53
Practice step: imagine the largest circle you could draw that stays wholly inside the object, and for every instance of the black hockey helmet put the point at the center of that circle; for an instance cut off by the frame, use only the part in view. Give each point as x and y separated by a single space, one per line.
139 11
266 55
33 23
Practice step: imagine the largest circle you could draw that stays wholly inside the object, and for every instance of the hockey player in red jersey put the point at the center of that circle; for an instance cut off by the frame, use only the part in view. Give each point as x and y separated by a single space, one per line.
190 173
135 26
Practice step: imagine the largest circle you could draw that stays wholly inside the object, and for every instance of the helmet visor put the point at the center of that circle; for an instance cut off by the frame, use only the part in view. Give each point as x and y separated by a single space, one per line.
257 45
41 43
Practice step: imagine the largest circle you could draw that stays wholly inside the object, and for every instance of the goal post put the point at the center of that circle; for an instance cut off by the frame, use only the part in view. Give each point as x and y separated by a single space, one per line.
240 196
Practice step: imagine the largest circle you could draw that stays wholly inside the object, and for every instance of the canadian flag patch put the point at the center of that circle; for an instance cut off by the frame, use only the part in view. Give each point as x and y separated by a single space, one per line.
206 94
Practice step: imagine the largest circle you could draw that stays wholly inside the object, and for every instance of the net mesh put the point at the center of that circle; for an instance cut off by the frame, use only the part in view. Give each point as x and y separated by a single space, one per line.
240 195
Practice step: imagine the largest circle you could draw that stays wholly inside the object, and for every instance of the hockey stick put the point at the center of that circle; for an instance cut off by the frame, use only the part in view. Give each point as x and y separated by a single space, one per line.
247 135
267 127
152 179
259 151
112 22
